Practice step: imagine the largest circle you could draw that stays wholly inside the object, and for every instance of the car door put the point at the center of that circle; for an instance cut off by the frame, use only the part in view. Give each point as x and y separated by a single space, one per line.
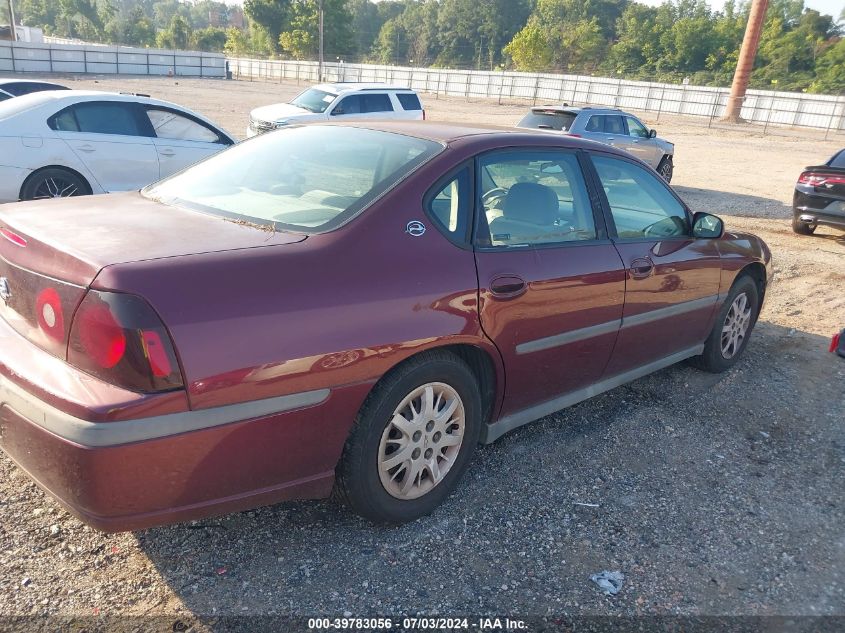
672 286
606 128
112 139
181 140
640 144
551 284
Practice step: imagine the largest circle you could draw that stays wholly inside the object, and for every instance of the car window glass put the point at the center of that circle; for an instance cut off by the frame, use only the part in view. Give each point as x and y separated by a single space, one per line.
536 197
838 160
4 96
103 117
635 128
314 100
641 204
64 121
171 125
450 205
409 101
595 124
376 102
349 105
548 120
613 125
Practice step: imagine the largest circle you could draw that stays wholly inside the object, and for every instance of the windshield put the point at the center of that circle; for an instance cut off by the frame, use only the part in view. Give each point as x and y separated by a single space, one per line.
548 120
314 100
307 179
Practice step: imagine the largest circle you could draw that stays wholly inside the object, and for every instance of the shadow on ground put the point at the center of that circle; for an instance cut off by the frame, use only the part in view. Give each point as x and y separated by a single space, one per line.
713 494
733 204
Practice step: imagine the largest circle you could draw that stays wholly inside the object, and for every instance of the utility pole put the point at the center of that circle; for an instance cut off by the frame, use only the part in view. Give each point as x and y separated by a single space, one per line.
745 63
14 33
320 69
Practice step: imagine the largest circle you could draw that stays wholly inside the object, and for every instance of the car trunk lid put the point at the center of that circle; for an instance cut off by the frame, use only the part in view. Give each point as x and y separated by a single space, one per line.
51 251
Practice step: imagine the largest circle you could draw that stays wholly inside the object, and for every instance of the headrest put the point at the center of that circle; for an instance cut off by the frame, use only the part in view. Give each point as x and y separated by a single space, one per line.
530 202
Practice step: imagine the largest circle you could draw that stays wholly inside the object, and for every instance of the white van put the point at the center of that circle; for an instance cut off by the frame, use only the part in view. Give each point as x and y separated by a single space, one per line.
339 102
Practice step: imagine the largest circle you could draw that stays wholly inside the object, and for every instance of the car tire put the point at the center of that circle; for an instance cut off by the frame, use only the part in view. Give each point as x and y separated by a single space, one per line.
54 182
732 329
801 227
666 168
435 450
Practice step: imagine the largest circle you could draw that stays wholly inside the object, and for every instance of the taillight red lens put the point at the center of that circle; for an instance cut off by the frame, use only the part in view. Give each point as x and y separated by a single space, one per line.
119 338
49 314
817 179
13 237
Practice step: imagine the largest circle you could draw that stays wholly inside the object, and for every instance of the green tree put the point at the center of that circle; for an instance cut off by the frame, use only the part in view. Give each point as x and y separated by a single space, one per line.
211 38
273 16
830 70
529 49
177 36
300 39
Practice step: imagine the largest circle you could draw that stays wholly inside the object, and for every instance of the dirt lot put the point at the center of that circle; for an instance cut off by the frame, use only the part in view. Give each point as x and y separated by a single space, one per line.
712 494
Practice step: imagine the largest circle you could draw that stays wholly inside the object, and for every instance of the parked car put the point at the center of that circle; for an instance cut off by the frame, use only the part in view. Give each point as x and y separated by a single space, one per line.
17 87
819 196
332 306
339 102
67 143
606 125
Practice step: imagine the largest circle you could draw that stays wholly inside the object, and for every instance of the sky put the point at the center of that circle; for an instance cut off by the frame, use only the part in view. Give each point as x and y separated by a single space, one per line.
830 7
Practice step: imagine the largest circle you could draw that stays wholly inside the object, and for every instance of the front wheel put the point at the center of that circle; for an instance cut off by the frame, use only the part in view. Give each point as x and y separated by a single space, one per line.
732 329
666 168
412 440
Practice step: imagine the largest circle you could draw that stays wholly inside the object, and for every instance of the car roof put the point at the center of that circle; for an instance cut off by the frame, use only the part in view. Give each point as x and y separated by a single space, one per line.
575 109
348 86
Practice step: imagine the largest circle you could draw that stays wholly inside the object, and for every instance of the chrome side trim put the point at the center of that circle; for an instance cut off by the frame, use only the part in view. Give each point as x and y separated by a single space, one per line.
669 311
508 423
568 337
100 434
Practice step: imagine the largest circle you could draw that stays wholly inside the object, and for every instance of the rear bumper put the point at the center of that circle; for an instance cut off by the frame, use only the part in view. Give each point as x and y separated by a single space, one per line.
133 473
813 210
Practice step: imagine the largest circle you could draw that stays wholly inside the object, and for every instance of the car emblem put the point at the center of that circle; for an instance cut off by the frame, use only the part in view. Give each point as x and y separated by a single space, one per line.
415 228
5 290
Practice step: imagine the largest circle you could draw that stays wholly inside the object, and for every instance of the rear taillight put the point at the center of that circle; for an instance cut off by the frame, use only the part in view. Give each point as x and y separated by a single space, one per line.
13 237
837 344
817 179
119 338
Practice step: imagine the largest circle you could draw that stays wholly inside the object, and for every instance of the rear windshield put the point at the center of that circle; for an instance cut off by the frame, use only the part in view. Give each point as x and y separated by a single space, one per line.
409 101
550 120
307 179
314 100
838 160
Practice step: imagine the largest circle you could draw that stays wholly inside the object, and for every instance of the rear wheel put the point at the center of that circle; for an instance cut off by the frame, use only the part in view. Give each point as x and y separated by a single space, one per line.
412 440
732 329
666 168
802 228
54 182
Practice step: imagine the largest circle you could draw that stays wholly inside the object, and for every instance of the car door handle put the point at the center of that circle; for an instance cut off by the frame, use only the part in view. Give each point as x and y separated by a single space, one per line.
166 152
507 286
86 148
641 268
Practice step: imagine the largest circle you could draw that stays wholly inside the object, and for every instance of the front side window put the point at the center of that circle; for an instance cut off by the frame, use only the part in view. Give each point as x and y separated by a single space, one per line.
640 202
170 125
635 128
308 179
535 197
353 104
99 117
314 100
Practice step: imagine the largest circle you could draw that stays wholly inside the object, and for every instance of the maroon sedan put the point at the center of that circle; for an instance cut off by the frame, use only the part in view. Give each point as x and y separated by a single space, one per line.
352 307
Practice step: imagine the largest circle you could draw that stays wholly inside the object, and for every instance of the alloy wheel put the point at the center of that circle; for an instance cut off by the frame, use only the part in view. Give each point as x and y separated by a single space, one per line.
735 326
422 441
55 187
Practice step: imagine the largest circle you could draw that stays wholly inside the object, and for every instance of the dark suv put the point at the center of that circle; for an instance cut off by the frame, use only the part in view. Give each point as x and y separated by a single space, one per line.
819 196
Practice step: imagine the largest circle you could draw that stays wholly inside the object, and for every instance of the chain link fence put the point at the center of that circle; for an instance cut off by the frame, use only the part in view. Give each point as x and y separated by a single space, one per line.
767 109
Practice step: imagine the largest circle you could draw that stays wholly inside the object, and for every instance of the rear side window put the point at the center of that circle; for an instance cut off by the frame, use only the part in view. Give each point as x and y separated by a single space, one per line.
409 101
378 102
548 120
838 160
449 205
168 124
605 124
98 117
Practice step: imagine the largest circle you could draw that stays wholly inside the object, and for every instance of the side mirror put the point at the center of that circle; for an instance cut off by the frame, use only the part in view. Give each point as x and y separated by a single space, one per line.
707 226
652 133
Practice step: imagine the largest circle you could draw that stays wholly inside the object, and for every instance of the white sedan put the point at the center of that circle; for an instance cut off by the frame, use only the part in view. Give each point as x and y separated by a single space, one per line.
71 142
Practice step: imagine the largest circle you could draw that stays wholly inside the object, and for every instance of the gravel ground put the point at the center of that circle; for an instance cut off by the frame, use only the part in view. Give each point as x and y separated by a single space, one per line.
714 495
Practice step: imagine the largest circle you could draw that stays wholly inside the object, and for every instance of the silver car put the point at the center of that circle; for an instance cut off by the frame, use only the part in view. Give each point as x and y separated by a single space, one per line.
606 125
